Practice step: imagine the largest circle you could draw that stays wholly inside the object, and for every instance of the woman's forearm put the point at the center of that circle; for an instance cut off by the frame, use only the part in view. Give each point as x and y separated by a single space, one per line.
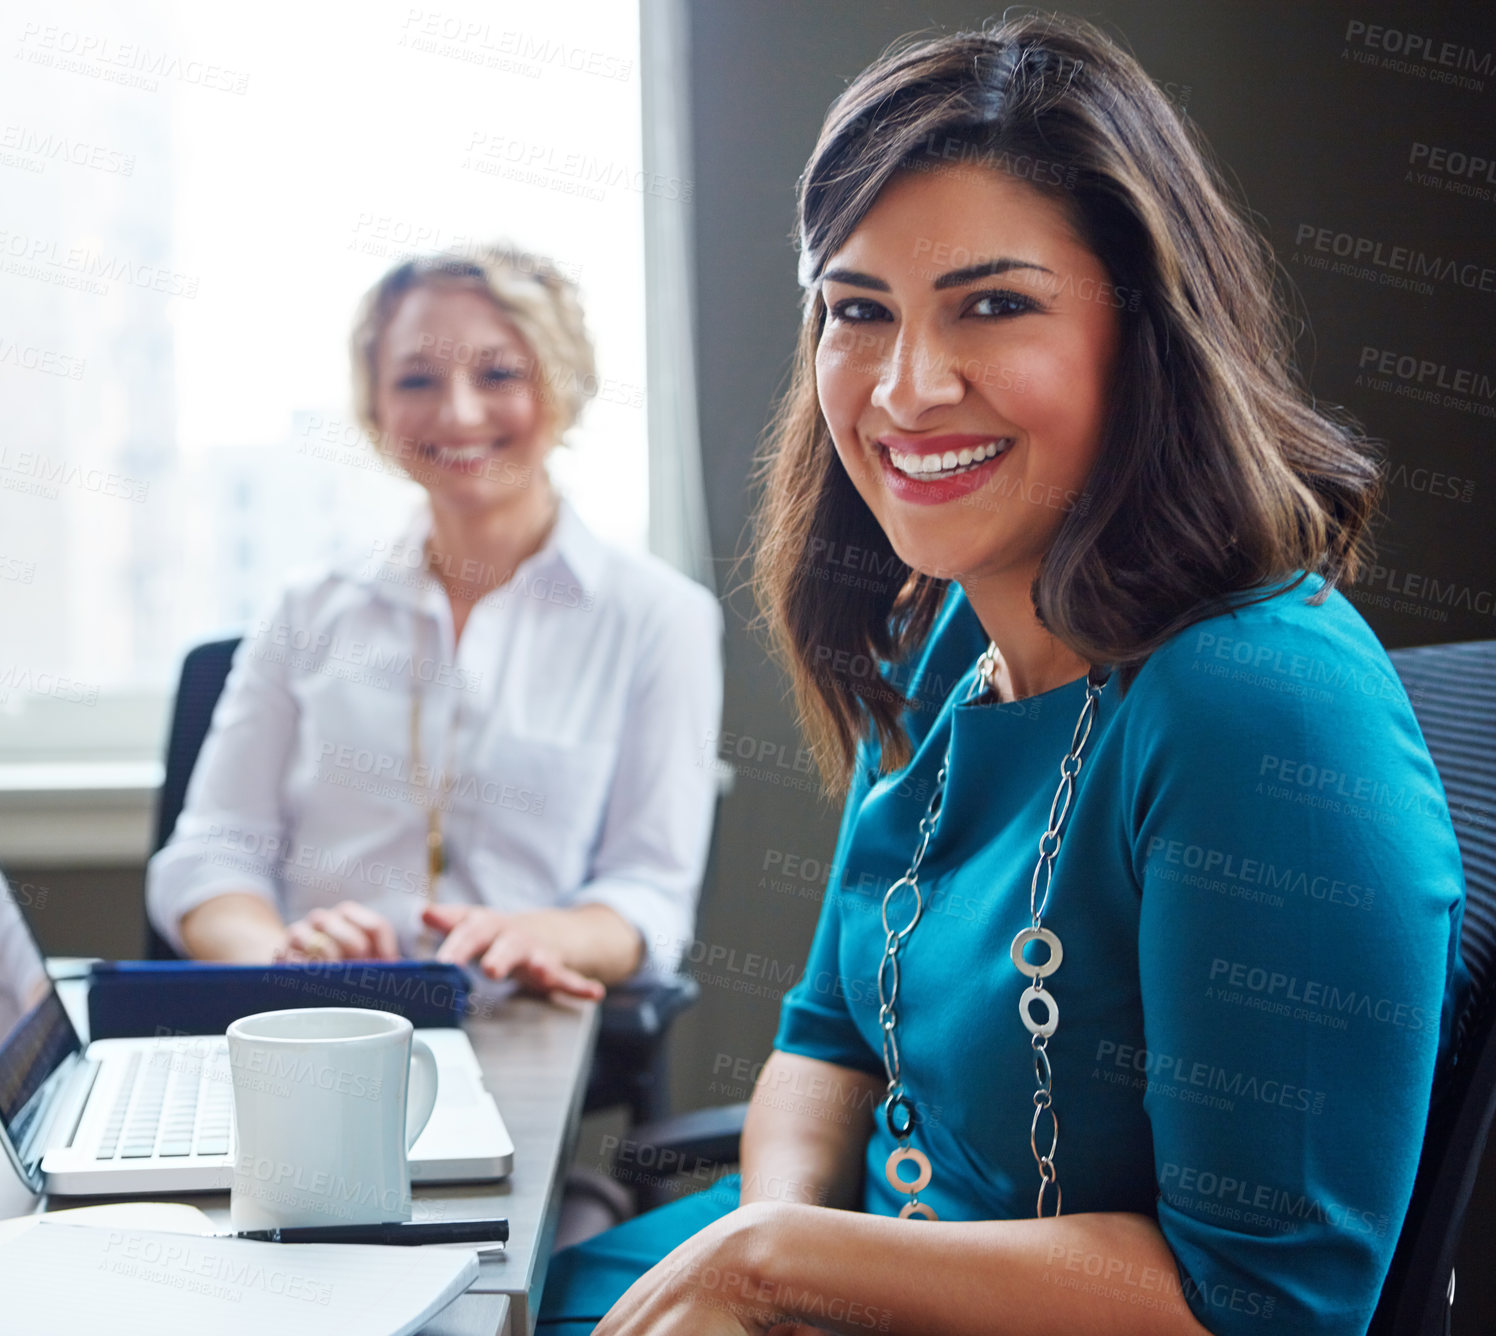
237 927
594 940
806 1130
1089 1274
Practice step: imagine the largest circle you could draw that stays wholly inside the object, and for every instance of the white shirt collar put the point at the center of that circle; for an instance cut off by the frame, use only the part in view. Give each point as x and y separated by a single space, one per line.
396 569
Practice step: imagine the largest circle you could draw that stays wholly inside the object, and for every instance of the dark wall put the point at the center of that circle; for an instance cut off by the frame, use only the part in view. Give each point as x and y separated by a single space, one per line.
1316 139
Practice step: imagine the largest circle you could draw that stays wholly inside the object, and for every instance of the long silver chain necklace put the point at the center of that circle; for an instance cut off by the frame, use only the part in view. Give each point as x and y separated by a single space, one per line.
899 1111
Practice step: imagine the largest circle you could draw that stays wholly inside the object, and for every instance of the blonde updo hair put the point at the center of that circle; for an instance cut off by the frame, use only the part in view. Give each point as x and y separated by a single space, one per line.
535 297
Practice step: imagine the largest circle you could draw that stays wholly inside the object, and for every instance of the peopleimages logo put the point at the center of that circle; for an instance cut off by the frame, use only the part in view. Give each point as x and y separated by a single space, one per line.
1451 162
1367 257
1415 46
1424 380
1452 171
43 147
1314 993
51 259
129 64
1222 1194
1256 872
1426 371
47 361
1159 1071
1429 589
1423 57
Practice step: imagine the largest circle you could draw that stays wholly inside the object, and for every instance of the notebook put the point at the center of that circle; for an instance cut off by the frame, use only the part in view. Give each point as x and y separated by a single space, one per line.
144 1282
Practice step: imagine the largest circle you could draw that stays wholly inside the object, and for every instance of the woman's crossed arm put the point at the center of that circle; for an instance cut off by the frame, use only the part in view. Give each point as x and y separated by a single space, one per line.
784 1263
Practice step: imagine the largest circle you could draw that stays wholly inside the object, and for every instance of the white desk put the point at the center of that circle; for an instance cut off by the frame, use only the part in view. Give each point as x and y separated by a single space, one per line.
536 1056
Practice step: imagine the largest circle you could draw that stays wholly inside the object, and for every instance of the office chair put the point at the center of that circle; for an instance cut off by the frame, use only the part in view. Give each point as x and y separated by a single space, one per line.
204 671
630 1068
1453 691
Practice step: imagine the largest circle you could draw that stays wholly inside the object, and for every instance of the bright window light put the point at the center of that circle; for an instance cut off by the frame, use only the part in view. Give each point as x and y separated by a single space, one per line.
192 199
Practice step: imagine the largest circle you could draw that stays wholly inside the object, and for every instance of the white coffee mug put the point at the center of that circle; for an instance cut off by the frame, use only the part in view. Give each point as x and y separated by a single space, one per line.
327 1101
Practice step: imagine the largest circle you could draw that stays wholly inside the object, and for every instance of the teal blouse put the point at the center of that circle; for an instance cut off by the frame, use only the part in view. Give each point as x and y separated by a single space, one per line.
1259 897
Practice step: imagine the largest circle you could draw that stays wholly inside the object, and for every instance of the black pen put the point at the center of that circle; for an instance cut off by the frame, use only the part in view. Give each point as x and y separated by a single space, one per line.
401 1233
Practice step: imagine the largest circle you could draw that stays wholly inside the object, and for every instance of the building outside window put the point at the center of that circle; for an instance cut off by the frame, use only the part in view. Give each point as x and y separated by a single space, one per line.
192 199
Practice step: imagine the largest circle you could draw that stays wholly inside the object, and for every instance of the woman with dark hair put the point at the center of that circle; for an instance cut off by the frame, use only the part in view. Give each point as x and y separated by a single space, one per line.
1141 837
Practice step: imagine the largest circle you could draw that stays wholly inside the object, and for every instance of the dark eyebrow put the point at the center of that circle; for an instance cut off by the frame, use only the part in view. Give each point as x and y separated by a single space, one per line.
855 279
958 278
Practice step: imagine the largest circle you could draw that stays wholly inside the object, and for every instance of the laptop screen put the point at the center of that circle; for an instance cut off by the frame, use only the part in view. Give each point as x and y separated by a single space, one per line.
36 1035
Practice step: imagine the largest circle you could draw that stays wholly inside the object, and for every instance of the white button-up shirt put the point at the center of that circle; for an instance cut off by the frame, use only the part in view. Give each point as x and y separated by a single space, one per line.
565 740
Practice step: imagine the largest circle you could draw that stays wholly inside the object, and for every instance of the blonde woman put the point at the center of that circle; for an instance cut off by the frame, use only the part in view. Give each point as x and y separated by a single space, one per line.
487 742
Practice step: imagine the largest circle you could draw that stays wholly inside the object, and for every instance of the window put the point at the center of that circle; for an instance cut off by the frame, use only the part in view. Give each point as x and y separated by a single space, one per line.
194 198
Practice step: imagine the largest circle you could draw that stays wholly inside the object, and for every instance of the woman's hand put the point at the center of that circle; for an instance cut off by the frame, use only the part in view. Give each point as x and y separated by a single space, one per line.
506 949
347 931
711 1285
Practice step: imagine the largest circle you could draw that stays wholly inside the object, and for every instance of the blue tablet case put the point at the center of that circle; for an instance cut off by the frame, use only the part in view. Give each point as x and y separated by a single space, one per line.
133 998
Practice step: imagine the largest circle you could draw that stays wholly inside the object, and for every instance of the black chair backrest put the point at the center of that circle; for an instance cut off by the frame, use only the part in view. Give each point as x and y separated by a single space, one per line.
1453 690
204 672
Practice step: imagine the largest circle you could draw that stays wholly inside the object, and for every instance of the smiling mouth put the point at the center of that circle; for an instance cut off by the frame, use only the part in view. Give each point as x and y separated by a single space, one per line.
457 456
951 464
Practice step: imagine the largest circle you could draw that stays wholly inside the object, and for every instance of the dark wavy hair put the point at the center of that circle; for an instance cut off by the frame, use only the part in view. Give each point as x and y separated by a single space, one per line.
1217 477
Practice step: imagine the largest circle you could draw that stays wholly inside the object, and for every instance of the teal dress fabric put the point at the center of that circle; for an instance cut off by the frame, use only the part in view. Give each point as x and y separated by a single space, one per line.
1259 896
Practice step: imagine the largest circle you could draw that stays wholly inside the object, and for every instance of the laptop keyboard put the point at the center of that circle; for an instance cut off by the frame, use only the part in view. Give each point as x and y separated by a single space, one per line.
170 1104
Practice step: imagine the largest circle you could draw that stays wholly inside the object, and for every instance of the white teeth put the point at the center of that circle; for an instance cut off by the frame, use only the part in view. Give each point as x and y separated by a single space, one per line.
943 465
466 454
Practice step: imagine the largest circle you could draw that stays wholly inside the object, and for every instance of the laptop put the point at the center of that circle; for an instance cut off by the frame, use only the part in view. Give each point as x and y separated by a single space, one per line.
124 1117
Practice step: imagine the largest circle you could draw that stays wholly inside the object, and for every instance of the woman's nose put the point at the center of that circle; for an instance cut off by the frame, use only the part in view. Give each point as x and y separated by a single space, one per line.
462 404
919 374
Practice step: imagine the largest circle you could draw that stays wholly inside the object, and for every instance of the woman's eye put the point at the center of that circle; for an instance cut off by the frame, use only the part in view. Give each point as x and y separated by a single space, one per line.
498 375
415 381
858 310
1001 304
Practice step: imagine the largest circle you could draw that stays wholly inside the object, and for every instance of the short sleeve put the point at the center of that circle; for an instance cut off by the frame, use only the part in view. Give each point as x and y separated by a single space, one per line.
814 1020
1301 893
